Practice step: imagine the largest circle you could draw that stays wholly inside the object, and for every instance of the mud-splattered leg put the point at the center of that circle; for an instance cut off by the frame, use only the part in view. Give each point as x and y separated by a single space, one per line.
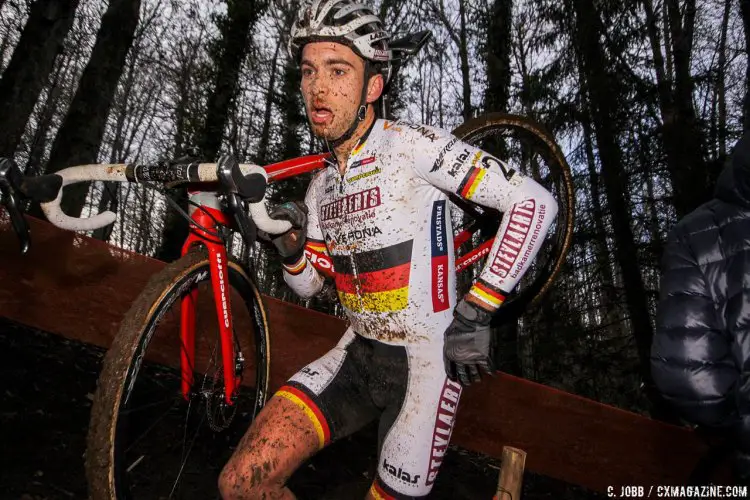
280 439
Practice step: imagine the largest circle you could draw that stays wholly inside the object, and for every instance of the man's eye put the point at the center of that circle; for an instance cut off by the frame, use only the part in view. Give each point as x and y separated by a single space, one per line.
339 72
307 72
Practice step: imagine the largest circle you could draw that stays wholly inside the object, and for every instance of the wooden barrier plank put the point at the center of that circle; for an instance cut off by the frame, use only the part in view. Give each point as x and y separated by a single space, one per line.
81 288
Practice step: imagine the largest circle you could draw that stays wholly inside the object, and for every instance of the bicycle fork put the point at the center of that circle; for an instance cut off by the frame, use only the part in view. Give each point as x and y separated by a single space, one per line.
218 260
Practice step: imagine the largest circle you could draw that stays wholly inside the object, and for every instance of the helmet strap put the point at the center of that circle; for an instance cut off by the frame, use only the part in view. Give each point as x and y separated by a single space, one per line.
360 117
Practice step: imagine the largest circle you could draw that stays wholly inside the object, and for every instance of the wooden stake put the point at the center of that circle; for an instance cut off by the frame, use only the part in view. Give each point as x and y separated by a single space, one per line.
510 478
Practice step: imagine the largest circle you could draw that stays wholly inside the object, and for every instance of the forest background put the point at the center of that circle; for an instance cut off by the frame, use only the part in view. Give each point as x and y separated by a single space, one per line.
646 99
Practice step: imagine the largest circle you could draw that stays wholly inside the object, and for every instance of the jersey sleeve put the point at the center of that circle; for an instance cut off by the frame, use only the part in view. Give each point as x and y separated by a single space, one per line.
528 208
304 275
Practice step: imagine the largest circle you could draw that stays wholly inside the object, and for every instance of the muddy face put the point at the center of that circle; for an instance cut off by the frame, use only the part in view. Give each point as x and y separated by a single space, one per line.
332 80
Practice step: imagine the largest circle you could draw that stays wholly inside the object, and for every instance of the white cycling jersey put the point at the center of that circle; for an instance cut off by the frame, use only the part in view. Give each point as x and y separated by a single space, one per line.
383 231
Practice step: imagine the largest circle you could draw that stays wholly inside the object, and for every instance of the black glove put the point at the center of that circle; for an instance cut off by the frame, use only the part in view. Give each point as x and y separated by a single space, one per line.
467 346
291 244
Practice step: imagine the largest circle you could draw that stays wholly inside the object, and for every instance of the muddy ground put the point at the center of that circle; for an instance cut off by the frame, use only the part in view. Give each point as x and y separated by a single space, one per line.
45 400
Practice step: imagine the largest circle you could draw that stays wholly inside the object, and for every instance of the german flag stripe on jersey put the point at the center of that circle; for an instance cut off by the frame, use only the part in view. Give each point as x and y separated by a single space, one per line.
381 283
316 245
317 253
394 300
374 260
310 409
297 268
358 148
378 281
470 183
488 294
377 491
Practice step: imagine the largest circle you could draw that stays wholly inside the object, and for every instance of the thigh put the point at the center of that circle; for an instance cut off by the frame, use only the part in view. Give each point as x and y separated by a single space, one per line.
416 431
332 390
320 403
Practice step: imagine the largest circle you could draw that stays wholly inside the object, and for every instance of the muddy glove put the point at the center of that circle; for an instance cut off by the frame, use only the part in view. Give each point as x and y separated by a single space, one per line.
291 245
467 345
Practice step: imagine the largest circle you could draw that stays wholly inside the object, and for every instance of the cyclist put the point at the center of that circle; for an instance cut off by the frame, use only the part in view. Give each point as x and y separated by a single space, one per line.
378 223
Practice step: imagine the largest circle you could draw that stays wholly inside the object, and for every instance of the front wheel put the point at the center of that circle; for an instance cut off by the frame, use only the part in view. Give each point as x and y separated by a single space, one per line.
145 439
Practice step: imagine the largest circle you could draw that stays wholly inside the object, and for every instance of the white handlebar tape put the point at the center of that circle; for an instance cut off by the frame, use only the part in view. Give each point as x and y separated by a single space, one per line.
71 175
259 213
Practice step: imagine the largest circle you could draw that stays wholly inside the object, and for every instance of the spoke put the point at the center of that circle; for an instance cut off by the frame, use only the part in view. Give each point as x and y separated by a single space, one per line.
185 455
132 411
151 427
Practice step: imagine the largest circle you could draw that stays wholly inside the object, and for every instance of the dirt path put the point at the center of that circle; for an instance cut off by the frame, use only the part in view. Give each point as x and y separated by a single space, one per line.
45 399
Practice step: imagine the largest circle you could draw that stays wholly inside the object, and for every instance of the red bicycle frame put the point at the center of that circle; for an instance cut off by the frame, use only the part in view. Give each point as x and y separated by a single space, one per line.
211 218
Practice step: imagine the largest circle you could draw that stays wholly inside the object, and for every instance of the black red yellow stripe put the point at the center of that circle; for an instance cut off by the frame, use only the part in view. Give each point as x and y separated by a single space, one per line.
310 409
488 294
297 267
374 260
471 181
316 245
378 493
375 281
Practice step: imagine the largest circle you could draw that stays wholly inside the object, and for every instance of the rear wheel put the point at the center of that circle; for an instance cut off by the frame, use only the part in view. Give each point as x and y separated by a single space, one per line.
532 151
145 439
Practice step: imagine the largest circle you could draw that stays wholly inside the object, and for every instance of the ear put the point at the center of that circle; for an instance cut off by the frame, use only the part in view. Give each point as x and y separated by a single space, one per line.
375 88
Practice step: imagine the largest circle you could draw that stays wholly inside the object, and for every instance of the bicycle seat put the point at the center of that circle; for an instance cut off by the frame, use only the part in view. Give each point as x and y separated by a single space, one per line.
410 44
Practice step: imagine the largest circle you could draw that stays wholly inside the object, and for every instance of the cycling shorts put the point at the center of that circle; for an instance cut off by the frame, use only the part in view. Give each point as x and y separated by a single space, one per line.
405 387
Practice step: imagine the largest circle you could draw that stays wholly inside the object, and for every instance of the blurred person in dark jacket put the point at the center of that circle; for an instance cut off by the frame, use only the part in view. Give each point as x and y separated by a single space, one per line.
700 356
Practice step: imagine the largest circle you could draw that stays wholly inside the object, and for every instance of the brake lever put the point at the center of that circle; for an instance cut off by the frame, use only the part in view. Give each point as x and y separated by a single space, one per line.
245 224
10 176
228 173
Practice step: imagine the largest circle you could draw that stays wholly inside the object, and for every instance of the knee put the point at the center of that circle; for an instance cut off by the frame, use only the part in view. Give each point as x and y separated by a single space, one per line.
230 483
245 481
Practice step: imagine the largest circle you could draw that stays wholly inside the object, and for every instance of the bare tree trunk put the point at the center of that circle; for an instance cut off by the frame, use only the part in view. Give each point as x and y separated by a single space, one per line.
667 41
520 55
440 88
721 81
44 122
241 15
265 135
603 259
745 12
29 68
694 179
684 141
80 136
713 121
183 138
460 39
464 55
290 102
110 190
499 29
390 12
4 45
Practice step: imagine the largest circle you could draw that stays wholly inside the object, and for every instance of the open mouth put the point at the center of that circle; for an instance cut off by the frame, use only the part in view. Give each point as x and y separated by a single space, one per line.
321 115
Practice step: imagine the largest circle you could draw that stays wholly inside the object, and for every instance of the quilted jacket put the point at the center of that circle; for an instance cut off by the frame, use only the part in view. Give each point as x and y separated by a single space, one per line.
700 356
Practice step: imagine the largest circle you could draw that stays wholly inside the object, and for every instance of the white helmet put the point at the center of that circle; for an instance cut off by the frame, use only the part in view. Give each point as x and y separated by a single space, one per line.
343 21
